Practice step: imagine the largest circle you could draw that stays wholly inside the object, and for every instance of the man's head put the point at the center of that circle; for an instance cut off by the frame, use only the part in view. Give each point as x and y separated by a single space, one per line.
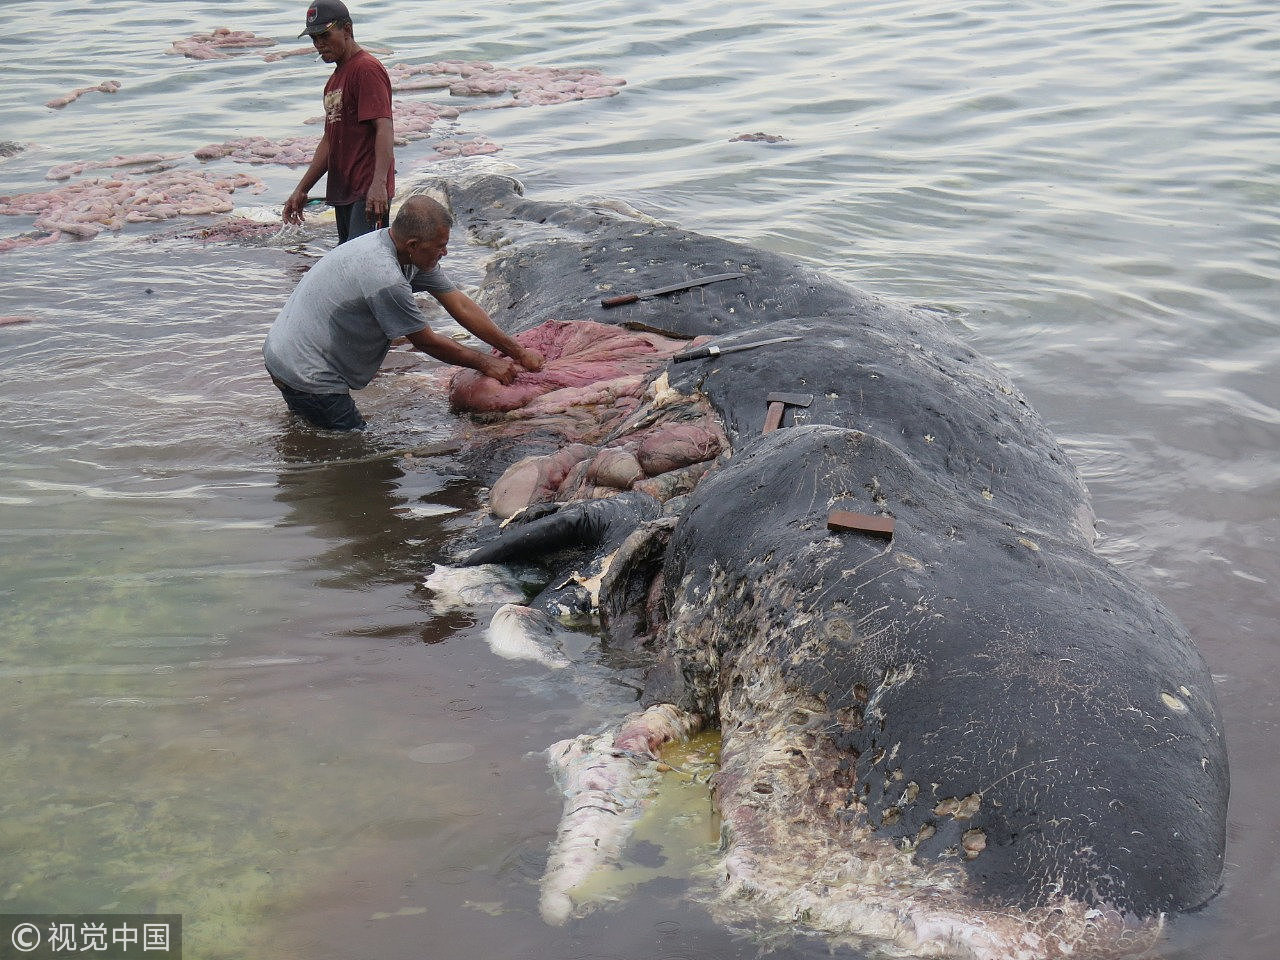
325 16
420 232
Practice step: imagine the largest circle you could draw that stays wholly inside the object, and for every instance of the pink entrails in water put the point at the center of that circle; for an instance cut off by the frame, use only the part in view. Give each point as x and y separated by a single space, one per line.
213 46
25 240
234 230
150 162
413 119
474 147
528 85
86 207
291 152
406 76
106 86
275 55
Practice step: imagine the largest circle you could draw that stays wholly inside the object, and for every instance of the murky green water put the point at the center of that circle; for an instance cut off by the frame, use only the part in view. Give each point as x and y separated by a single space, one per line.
225 694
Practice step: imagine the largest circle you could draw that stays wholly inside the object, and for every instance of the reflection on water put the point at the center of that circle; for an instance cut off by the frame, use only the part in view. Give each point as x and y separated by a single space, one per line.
350 492
226 693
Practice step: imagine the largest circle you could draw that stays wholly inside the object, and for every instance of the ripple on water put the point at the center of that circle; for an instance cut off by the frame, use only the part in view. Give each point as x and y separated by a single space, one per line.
443 752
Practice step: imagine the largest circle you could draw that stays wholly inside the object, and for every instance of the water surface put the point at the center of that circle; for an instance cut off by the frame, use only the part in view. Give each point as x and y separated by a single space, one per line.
225 694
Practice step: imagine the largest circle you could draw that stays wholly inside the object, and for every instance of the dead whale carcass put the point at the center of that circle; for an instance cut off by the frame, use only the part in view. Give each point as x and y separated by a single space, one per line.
976 737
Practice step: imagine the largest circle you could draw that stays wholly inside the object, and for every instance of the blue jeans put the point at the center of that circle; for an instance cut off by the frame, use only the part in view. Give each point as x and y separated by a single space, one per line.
352 221
329 411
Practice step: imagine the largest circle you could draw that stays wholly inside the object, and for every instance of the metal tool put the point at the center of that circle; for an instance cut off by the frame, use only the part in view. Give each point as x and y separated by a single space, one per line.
778 403
674 288
711 350
660 331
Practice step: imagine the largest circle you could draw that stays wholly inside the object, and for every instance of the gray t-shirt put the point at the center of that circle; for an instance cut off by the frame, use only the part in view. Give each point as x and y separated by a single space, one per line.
337 327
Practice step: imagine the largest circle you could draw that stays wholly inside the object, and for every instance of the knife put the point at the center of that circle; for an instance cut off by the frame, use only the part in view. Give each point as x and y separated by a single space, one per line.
675 287
711 350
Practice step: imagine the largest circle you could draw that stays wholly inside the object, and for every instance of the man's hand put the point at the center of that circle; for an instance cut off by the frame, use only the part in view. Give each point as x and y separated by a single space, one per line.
531 360
501 369
376 205
292 212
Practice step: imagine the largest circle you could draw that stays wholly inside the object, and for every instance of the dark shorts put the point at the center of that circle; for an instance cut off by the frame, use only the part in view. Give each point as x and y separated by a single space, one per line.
352 221
329 411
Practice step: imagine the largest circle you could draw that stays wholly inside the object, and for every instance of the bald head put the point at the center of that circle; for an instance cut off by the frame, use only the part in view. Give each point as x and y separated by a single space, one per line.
420 232
421 218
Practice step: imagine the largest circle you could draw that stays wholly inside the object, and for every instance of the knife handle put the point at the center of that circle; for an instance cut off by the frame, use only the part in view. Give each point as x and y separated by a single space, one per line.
701 353
620 300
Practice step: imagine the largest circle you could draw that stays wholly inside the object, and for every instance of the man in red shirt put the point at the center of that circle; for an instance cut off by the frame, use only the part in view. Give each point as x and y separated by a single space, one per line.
356 149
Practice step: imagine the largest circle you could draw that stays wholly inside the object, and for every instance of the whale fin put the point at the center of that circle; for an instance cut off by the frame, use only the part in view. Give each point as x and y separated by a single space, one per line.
584 523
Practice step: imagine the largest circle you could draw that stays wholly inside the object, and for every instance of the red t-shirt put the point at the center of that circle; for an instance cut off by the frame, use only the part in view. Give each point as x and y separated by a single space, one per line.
358 92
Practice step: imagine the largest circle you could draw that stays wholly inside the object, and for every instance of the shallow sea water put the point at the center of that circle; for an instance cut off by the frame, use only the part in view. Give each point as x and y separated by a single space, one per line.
225 694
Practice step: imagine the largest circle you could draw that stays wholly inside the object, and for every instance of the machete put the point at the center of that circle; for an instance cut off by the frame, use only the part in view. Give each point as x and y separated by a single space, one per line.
702 353
674 288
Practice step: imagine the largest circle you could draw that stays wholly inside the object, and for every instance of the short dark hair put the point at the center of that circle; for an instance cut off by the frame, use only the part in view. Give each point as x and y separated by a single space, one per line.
421 216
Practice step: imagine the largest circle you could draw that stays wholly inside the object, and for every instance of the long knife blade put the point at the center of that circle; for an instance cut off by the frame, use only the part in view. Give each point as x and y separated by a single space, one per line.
711 350
673 288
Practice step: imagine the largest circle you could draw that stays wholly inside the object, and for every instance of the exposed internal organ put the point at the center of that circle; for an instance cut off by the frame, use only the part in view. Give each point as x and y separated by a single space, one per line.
106 86
528 86
623 433
86 207
577 354
218 44
290 152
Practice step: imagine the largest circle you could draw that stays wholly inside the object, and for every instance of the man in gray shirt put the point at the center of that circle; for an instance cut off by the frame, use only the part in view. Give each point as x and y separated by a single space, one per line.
337 326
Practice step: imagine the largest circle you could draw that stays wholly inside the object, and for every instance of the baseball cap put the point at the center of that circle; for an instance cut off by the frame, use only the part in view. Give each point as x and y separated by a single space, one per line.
321 14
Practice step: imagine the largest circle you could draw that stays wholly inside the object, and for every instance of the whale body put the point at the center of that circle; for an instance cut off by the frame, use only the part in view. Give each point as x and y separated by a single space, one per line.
976 712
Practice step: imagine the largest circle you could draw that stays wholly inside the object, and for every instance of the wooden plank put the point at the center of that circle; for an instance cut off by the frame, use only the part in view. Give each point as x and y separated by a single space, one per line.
861 522
773 419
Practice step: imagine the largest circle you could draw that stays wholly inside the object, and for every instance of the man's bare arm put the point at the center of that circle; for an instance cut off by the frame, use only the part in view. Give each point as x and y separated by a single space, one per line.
319 167
450 351
473 318
376 202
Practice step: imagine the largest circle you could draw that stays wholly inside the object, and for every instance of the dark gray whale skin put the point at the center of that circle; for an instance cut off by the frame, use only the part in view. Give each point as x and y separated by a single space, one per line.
985 652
